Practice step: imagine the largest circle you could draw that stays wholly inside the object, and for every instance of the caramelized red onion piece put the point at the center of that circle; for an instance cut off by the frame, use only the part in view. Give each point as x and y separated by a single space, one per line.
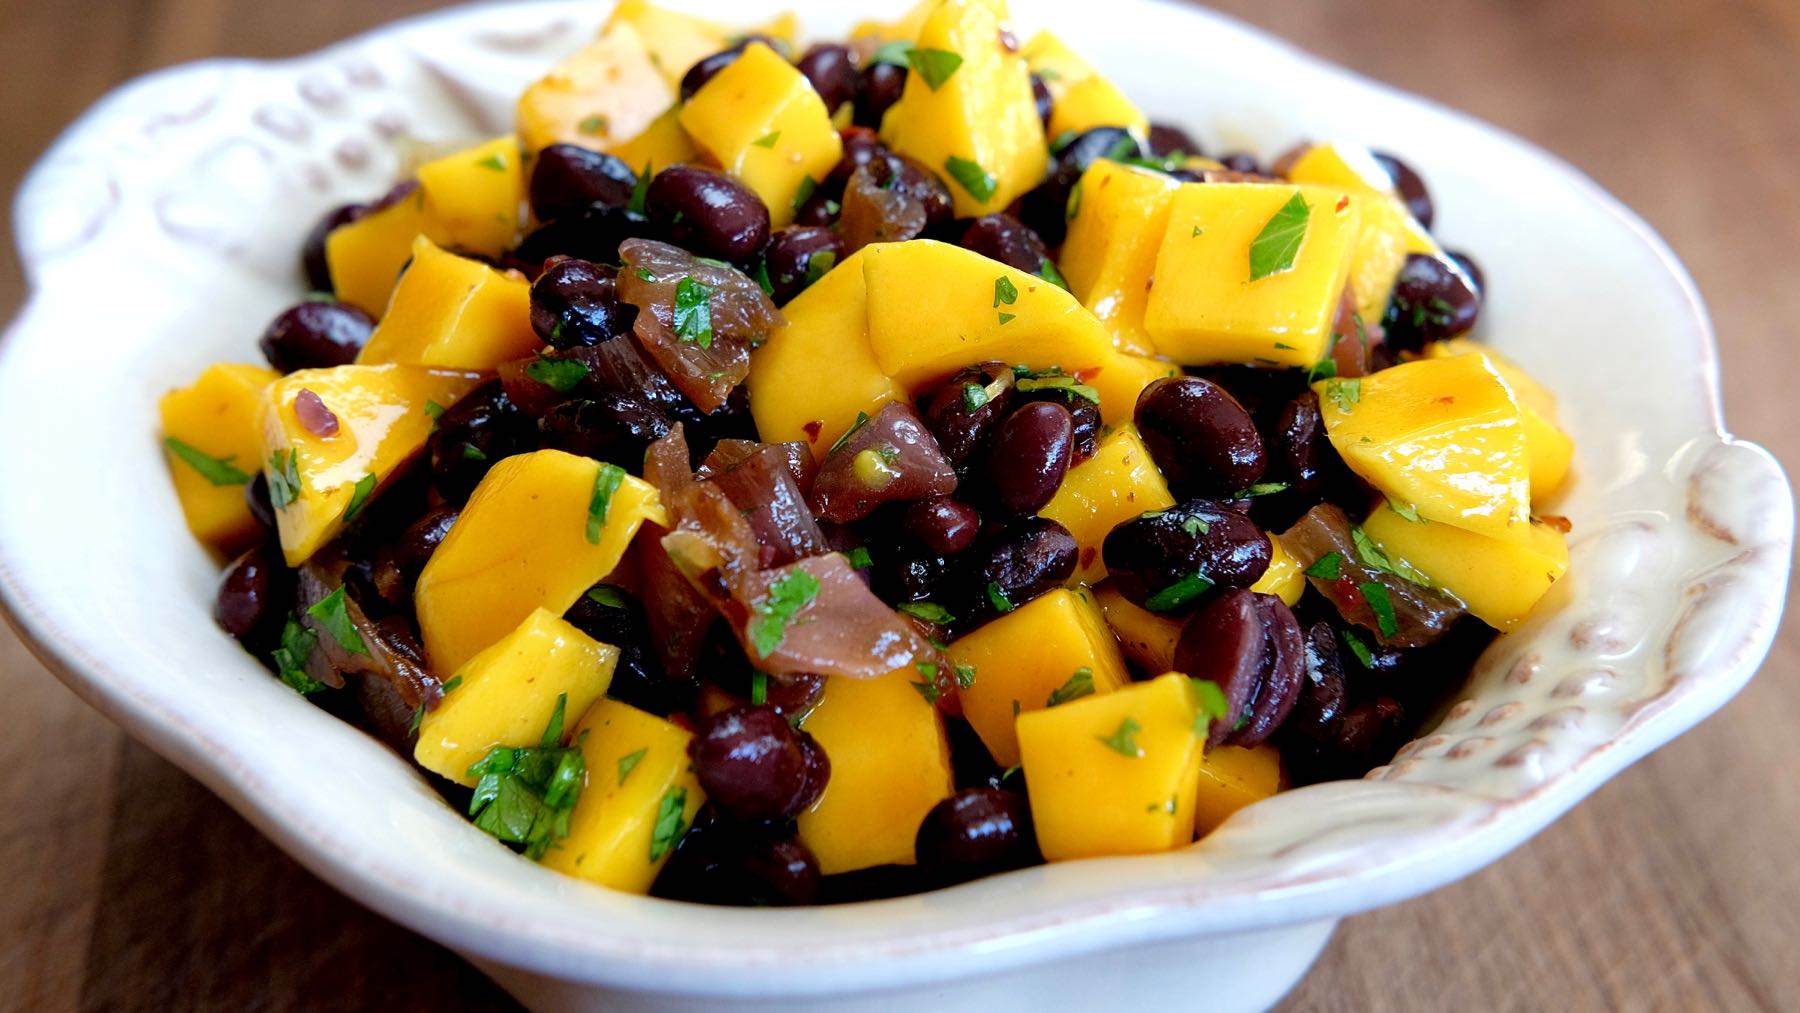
728 454
1422 614
390 651
874 213
762 486
892 457
612 368
704 363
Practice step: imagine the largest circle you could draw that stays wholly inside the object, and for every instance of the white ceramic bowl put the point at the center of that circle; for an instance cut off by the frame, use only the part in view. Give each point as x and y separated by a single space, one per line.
160 234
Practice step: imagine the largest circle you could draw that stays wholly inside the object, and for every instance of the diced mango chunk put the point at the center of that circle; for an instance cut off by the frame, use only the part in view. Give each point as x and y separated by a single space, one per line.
1120 218
365 257
673 40
980 310
609 91
539 530
1550 449
381 422
1051 647
1283 578
639 795
977 123
1116 773
507 693
1080 98
1118 483
1388 232
453 312
475 195
1232 777
214 422
1500 581
890 763
762 121
1444 436
904 28
1204 306
813 378
662 143
1145 637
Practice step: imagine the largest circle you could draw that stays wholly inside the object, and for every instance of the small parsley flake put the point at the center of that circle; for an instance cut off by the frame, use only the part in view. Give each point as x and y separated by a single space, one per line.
931 612
934 65
217 470
1178 594
560 375
629 762
767 140
1123 740
1376 594
359 497
333 614
1346 393
1275 247
1078 685
669 823
1326 567
997 598
975 180
693 312
771 614
495 161
1005 291
606 482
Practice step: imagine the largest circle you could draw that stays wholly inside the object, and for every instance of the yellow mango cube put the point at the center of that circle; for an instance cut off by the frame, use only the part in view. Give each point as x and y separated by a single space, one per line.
1051 647
1283 578
214 441
1232 777
673 40
317 482
1080 98
539 530
890 763
812 378
1110 254
1118 483
1500 581
1145 637
609 91
980 310
475 195
366 256
1388 231
1550 449
760 119
662 143
976 123
904 28
1205 308
453 312
1444 436
638 796
506 695
1116 773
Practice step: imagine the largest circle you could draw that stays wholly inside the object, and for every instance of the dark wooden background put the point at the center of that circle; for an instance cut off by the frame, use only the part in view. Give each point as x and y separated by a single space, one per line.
1677 886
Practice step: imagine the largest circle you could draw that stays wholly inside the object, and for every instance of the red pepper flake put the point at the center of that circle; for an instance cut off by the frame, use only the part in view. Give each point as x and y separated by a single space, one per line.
1343 202
1086 374
812 430
1447 399
310 409
1087 557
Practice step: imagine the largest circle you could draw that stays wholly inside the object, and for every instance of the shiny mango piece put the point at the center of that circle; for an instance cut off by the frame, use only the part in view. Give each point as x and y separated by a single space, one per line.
536 533
1232 777
382 422
1388 231
505 695
1080 98
366 257
1203 306
904 28
935 308
1283 578
1110 254
455 313
216 417
1118 483
1500 581
1550 449
609 91
890 763
979 128
636 774
674 40
662 143
475 195
1022 660
813 378
760 119
1444 436
1115 773
1145 637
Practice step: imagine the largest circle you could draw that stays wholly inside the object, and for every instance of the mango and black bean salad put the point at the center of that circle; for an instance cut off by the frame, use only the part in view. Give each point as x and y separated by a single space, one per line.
780 475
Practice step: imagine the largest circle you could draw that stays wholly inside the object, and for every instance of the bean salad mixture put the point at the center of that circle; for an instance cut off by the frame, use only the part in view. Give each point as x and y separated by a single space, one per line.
782 475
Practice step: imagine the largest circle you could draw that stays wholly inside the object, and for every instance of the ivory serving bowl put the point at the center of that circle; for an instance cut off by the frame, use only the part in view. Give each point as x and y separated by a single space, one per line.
160 233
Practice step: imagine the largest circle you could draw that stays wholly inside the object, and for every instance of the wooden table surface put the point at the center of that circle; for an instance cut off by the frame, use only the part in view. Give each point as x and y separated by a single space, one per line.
1674 887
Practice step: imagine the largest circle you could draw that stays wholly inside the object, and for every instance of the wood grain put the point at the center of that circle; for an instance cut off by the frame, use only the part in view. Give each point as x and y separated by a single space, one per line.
1673 887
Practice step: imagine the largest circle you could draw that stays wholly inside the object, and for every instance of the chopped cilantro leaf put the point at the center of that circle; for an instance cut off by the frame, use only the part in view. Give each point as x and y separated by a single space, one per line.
1274 248
774 611
1213 705
217 470
435 411
606 482
808 186
454 682
1007 318
1360 649
819 265
965 676
1195 527
974 396
1326 567
1005 291
892 53
1178 594
1078 685
1261 489
495 161
997 598
669 823
333 614
1324 369
471 452
693 312
862 419
1345 393
560 375
767 140
1073 207
858 558
927 689
1047 271
1124 739
607 596
641 190
591 125
525 794
359 497
284 479
1376 594
1067 384
931 612
759 687
934 65
629 762
297 643
971 177
1406 512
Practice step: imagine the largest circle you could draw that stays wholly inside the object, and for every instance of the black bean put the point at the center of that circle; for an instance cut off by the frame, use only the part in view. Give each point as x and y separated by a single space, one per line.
964 411
420 539
1170 558
253 598
1239 161
1367 732
1166 140
877 89
1026 558
1250 646
751 764
708 212
706 68
1433 299
612 615
1002 237
781 872
1030 456
1087 429
592 235
316 334
914 182
312 251
576 303
1202 439
1470 268
1299 446
977 831
1046 207
861 145
1046 103
567 179
1092 145
943 525
473 435
613 429
1410 185
797 256
919 578
1320 705
256 496
831 69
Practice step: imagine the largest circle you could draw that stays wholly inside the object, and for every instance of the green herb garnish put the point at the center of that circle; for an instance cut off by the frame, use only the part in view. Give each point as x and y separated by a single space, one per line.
592 125
1178 594
560 375
669 823
934 65
931 612
974 396
804 192
470 452
1260 489
333 614
759 687
927 689
1360 649
1005 292
284 479
771 615
965 675
1326 567
494 161
297 643
1007 318
767 140
1213 705
1067 384
1324 369
1124 740
1407 512
525 794
693 312
997 598
1079 685
858 558
359 497
1047 271
217 470
607 596
892 53
1274 248
1346 393
641 190
971 177
629 762
862 419
606 482
1195 527
1376 594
